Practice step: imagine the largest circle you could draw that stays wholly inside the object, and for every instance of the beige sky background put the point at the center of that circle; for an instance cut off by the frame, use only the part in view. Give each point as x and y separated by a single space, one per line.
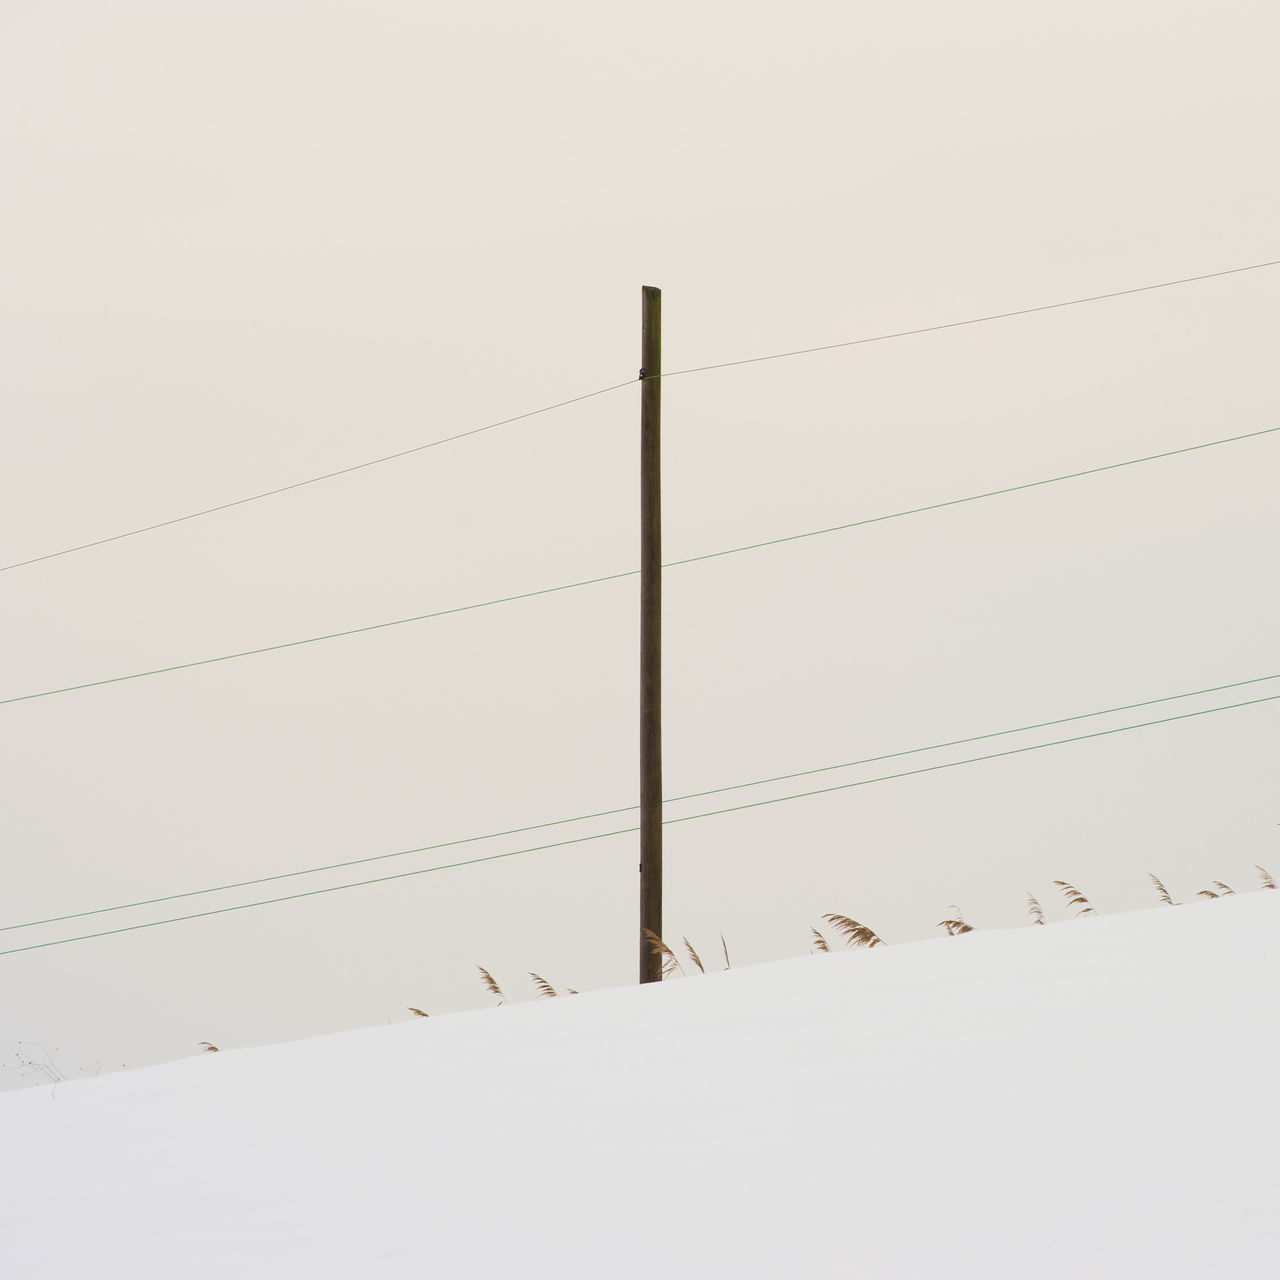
246 244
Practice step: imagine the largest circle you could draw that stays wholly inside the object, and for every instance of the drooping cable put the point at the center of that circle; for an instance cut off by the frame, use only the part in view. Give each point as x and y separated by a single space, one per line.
693 817
631 573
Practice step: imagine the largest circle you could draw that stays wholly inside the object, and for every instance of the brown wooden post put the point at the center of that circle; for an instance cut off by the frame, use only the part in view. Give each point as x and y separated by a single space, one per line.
650 631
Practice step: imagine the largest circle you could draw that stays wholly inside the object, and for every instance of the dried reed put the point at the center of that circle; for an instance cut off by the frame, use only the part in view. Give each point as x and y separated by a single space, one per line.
670 961
1075 898
855 934
490 985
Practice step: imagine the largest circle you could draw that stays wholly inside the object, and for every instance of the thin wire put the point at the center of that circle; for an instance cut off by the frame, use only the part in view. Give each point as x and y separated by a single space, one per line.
973 497
676 373
995 755
604 835
328 475
958 324
313 893
977 737
629 808
334 635
631 573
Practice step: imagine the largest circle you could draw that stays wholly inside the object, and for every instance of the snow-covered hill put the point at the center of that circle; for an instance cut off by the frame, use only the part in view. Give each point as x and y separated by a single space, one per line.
1096 1098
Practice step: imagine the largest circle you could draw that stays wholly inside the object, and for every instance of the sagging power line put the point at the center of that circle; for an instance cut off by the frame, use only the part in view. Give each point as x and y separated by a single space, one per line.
631 573
617 386
328 475
692 795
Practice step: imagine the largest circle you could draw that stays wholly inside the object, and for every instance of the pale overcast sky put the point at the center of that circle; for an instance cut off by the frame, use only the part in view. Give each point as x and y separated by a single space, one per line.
250 243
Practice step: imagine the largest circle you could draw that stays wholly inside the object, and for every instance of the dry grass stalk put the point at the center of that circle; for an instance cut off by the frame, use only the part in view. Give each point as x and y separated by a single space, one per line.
490 985
1075 898
208 1047
1219 890
43 1066
1034 909
1265 876
544 987
956 926
693 955
819 942
420 1012
1161 890
670 961
724 947
855 934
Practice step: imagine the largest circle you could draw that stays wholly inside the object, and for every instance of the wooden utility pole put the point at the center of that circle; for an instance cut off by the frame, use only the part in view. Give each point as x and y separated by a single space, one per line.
650 632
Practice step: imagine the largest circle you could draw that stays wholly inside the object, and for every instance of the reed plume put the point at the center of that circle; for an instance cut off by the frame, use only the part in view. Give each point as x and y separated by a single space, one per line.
1075 898
544 987
670 961
490 985
855 934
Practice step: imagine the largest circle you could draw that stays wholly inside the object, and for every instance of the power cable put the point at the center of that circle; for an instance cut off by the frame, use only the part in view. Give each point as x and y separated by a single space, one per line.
973 497
631 573
959 324
328 475
694 817
631 808
617 386
333 635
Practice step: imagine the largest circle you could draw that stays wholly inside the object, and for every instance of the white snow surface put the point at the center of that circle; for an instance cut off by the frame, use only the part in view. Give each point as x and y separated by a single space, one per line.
1096 1098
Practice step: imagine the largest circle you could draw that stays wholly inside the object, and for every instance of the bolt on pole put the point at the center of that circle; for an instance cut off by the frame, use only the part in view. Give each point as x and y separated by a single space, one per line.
650 632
